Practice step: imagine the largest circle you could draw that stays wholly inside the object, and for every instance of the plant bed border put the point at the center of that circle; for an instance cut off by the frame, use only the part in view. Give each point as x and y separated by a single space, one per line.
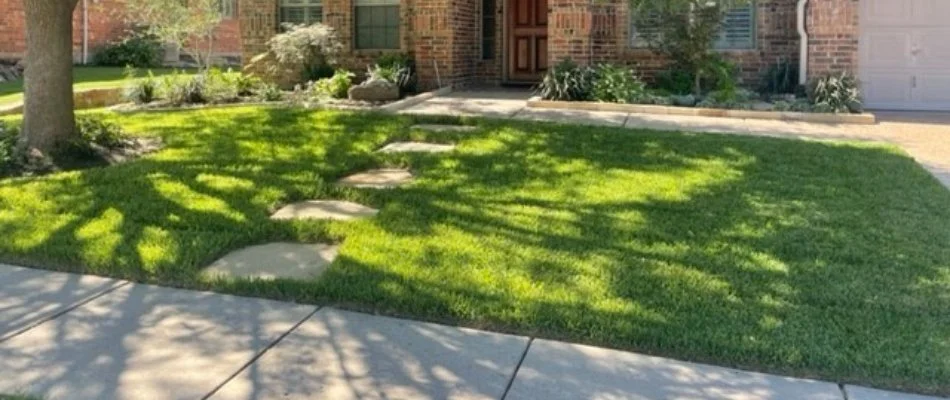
863 118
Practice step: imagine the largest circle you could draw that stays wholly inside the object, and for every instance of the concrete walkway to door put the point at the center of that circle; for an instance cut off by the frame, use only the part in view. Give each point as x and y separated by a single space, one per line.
925 136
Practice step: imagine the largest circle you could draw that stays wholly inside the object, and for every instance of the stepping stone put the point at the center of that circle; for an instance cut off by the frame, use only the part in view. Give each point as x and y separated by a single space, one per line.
324 209
276 260
445 128
416 147
378 179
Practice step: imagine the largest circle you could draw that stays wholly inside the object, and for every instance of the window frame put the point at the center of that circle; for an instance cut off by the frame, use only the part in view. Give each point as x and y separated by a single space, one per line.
488 17
228 8
357 4
305 5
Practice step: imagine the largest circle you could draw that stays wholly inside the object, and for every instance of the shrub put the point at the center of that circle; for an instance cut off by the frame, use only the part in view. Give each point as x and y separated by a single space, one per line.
717 74
138 50
179 89
780 78
336 86
246 85
140 90
614 84
837 93
221 86
567 81
270 92
729 99
675 81
404 70
98 131
315 47
8 138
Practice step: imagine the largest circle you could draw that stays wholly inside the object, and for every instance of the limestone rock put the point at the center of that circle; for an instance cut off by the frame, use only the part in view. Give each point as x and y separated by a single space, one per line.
266 67
375 90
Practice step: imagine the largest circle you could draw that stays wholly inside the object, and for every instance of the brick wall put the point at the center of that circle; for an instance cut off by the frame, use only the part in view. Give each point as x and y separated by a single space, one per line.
106 24
833 36
600 32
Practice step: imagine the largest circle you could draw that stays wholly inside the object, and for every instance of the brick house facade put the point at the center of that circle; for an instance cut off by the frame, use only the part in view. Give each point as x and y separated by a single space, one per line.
105 24
464 42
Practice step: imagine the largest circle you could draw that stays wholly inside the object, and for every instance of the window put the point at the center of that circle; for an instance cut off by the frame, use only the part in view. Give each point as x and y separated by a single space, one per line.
737 32
305 12
488 29
377 24
229 8
738 29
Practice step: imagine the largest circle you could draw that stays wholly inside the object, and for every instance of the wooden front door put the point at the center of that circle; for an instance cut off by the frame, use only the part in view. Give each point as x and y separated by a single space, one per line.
527 40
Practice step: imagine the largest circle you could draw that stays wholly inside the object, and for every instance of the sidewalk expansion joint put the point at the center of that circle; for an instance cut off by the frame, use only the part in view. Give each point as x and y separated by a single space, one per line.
63 311
514 374
261 353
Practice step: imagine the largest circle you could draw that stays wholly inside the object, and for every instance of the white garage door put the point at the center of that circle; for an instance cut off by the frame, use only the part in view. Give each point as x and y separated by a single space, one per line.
905 54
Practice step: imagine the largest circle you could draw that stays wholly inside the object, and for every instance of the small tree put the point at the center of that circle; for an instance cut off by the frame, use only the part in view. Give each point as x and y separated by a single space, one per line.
188 24
314 47
683 30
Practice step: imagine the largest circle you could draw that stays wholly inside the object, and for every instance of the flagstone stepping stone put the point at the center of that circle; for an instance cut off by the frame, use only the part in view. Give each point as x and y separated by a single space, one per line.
445 128
324 209
276 260
416 147
378 179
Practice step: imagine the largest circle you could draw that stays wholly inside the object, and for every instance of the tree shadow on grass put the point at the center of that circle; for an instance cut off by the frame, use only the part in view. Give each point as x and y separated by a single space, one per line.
809 258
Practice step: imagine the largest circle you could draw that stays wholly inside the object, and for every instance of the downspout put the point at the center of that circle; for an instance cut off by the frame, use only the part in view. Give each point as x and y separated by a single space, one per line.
85 32
803 34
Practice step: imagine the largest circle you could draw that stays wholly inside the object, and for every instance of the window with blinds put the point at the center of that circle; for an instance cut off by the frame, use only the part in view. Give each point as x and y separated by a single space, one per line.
737 32
228 8
377 24
301 12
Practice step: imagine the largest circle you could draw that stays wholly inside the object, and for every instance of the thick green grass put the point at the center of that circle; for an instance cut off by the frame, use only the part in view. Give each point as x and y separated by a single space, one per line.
83 78
826 260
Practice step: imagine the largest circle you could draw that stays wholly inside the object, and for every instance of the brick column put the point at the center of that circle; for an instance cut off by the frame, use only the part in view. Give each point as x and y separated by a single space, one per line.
258 25
833 36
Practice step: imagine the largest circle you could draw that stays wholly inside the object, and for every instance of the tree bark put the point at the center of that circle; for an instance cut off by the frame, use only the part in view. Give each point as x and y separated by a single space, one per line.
48 118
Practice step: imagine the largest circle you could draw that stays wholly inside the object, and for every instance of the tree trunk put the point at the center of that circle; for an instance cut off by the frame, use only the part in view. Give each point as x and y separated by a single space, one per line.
48 118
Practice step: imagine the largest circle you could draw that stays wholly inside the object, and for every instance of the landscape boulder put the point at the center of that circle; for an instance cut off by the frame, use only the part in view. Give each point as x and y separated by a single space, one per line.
375 90
266 67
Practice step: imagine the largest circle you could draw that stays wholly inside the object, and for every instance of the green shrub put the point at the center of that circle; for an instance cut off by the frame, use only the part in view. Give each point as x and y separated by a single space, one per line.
8 138
247 85
837 93
270 92
336 86
179 88
780 78
313 46
799 105
717 74
138 50
740 99
567 81
403 69
220 86
616 84
140 90
96 130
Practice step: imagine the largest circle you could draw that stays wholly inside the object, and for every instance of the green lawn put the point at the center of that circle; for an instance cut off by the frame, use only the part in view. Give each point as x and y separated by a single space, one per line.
825 260
83 78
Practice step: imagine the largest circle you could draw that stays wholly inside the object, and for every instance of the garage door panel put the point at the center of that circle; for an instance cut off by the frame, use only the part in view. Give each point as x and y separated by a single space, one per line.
886 89
887 49
934 88
887 12
929 12
934 48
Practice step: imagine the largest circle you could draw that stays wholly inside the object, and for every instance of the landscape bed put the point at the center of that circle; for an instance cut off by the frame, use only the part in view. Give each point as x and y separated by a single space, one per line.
816 259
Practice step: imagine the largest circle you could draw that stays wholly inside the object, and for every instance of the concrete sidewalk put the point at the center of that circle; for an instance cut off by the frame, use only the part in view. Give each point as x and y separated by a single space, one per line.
67 336
925 136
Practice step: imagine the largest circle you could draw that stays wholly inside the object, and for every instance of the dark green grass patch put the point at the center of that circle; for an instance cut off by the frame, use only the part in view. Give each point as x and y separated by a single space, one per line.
826 260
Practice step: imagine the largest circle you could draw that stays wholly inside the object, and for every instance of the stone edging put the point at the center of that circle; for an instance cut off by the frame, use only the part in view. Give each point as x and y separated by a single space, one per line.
864 119
82 99
414 100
